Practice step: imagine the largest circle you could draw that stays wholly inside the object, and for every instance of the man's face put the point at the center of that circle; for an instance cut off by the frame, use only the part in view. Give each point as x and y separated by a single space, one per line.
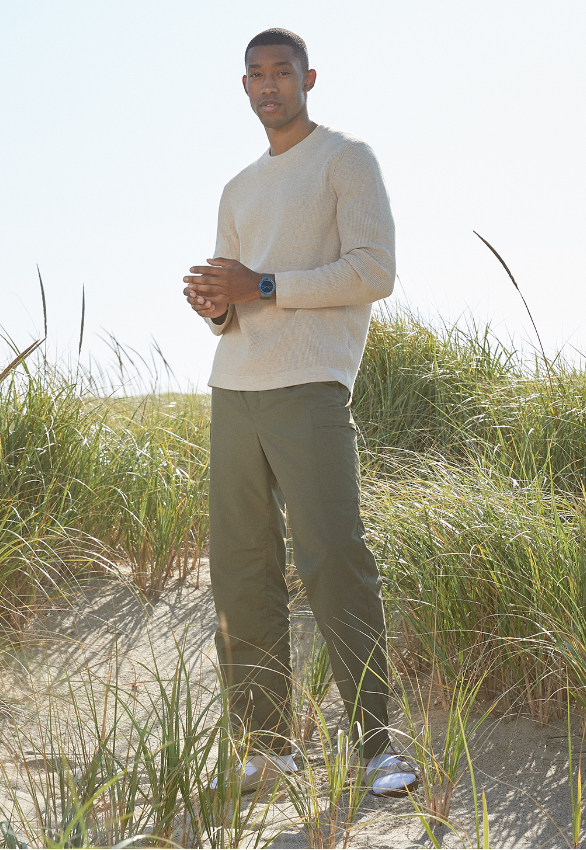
275 84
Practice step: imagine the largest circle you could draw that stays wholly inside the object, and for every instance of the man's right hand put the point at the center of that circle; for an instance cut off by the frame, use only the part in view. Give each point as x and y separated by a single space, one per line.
202 306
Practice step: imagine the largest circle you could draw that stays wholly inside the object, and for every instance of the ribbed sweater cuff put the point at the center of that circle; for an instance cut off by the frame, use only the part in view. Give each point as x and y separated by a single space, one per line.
218 330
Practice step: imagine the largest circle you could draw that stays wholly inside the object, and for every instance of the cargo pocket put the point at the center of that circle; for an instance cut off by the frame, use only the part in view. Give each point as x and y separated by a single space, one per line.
334 434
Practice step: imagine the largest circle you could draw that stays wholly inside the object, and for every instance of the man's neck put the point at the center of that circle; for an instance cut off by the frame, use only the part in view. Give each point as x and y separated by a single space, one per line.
283 139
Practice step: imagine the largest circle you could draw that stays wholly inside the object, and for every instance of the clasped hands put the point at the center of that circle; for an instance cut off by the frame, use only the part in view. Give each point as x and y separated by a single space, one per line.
211 288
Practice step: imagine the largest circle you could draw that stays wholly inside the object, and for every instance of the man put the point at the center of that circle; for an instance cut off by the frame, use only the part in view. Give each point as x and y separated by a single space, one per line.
305 246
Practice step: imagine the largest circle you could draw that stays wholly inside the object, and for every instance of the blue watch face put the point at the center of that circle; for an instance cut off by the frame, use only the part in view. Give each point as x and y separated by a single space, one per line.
266 286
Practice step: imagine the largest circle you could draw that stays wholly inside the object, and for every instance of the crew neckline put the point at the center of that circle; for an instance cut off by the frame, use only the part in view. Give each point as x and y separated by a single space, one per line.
294 151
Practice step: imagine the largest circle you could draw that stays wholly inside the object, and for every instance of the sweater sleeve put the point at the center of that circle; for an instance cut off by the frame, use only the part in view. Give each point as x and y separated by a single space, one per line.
228 246
365 271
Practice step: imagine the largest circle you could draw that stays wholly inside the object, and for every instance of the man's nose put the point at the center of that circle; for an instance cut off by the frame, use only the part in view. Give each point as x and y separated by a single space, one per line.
269 85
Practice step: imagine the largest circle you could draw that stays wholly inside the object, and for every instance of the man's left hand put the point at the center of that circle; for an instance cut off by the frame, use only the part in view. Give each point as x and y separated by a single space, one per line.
223 281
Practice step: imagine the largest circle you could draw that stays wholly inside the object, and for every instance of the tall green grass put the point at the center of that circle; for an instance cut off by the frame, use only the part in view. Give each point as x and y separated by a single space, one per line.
464 394
100 764
89 482
474 497
482 576
474 466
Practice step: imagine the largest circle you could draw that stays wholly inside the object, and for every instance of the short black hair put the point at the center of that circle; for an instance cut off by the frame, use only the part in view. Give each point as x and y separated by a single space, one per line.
277 35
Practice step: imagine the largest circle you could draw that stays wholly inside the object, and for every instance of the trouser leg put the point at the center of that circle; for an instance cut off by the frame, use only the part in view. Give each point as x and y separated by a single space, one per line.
247 564
309 440
303 438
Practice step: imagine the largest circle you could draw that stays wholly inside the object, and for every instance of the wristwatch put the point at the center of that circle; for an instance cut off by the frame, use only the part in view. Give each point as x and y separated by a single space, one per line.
267 286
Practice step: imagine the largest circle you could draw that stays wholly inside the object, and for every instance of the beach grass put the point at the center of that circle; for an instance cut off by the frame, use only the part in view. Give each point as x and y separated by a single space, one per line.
474 462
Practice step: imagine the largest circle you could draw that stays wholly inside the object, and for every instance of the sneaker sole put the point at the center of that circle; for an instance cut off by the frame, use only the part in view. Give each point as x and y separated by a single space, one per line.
398 792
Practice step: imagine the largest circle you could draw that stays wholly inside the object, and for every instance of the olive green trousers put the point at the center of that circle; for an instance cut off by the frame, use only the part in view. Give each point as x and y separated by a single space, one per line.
294 446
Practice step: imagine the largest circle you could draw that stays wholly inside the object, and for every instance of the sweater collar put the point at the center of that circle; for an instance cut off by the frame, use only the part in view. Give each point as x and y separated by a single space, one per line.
301 149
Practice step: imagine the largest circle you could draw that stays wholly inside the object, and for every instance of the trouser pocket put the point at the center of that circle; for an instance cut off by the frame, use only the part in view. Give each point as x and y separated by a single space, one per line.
336 451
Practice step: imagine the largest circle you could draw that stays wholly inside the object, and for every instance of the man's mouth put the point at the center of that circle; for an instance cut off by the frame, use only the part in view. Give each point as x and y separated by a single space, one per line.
269 105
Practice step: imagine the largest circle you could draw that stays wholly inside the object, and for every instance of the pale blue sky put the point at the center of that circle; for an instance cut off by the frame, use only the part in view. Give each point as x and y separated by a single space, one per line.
123 119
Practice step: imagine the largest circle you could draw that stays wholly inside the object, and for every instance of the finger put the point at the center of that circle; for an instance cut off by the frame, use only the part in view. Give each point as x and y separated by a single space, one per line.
200 303
193 288
194 297
214 293
205 270
199 300
202 272
221 261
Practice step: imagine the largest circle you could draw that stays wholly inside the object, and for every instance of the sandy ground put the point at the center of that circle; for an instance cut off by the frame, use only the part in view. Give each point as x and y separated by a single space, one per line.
523 769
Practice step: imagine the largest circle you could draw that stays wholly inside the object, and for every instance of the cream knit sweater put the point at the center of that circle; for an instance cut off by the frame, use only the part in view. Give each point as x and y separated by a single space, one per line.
318 218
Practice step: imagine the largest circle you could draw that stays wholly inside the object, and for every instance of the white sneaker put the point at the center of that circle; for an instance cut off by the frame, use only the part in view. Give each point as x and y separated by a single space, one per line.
390 775
261 770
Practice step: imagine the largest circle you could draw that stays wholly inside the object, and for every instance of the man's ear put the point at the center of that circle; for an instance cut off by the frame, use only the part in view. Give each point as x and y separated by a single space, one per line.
309 80
244 80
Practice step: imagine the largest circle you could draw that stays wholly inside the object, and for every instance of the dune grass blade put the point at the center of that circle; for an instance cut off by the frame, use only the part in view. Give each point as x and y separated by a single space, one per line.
575 796
20 358
82 321
516 285
44 300
313 685
9 838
